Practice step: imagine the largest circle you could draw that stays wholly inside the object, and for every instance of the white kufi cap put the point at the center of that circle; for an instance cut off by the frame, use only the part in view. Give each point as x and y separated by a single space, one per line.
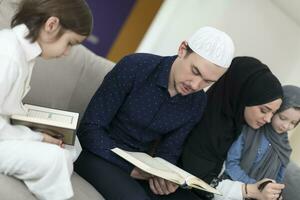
213 45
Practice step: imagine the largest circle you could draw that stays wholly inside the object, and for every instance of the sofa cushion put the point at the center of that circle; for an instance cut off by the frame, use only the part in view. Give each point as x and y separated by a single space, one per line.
13 189
292 181
7 10
67 83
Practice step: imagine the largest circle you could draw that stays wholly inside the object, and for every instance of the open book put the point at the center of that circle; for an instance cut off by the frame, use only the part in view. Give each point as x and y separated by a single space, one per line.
57 123
164 169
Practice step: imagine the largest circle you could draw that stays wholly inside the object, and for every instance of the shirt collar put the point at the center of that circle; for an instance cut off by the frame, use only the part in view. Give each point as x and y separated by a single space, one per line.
31 50
165 69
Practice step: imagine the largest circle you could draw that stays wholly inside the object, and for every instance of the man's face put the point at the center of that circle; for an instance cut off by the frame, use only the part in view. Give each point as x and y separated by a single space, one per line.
192 73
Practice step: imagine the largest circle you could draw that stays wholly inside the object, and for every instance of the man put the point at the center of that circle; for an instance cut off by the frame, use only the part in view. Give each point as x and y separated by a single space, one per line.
144 98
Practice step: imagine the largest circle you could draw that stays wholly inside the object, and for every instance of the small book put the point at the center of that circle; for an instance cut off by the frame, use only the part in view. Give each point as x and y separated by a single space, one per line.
57 123
164 169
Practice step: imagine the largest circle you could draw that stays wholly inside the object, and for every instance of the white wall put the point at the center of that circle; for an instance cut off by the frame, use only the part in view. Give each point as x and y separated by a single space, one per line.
294 139
258 27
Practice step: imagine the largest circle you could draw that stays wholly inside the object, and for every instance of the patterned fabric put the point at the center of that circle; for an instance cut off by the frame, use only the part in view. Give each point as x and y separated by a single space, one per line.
132 108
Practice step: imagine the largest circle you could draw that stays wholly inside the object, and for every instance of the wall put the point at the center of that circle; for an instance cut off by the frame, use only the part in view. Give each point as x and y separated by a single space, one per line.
294 139
134 28
258 27
109 17
119 26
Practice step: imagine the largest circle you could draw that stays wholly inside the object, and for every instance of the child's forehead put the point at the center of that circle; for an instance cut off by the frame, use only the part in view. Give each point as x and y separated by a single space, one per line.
292 112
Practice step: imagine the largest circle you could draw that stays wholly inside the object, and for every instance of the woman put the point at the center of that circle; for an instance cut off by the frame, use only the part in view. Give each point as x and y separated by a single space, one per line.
248 93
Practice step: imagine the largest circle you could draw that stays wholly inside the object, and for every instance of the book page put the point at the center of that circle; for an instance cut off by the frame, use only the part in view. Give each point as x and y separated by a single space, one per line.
195 182
150 165
50 116
164 169
190 179
150 161
174 168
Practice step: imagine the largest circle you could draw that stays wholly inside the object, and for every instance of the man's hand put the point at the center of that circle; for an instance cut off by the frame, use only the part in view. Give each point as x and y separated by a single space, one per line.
49 139
140 174
161 186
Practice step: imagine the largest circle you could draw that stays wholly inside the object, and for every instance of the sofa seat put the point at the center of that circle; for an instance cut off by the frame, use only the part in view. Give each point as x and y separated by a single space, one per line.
14 189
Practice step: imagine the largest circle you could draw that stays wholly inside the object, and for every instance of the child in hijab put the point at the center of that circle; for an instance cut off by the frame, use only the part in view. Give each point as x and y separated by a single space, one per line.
265 152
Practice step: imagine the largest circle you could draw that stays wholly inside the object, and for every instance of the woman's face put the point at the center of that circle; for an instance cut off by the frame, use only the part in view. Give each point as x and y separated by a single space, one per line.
257 116
286 120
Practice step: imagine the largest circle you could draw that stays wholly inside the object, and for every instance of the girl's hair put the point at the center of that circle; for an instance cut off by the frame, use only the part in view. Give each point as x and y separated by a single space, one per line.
73 15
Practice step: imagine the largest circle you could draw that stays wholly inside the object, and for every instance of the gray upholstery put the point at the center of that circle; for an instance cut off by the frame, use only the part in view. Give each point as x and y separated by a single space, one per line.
68 83
292 182
13 189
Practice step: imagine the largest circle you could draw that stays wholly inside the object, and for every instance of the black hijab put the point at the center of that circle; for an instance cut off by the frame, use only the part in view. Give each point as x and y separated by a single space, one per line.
247 82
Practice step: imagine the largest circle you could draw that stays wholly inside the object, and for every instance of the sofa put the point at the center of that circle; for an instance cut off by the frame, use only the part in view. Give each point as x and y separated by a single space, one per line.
69 83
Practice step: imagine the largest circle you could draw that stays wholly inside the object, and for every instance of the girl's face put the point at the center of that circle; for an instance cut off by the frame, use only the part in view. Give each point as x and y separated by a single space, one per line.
286 120
257 116
54 46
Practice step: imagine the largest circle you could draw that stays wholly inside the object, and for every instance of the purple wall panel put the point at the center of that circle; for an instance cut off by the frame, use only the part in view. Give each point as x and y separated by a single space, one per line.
109 17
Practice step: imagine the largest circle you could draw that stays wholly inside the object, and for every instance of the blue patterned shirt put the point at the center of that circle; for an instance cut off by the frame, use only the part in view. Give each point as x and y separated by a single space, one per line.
132 108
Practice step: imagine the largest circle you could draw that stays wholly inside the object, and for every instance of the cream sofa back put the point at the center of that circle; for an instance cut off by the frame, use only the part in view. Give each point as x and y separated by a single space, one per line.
67 83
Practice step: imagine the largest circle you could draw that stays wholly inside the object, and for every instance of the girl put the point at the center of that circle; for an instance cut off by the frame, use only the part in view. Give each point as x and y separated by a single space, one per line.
248 93
46 28
265 152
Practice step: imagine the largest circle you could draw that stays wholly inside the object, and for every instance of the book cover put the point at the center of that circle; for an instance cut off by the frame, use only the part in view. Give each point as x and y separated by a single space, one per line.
57 123
164 169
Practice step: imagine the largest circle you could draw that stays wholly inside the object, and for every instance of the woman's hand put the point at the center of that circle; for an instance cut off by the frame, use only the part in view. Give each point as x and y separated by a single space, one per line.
49 139
272 191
